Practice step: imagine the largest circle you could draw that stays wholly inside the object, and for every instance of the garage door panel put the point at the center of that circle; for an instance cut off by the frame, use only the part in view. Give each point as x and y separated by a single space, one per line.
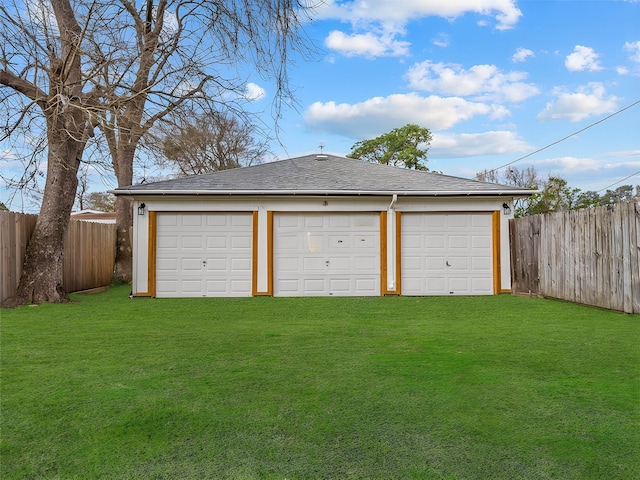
168 286
482 285
217 265
342 221
481 264
290 242
167 220
313 286
459 283
339 264
482 221
337 249
312 264
366 264
432 221
216 287
191 220
313 243
167 264
191 286
167 241
214 220
239 286
433 241
241 243
447 254
290 264
367 285
192 242
204 254
412 263
458 241
432 264
339 286
339 241
215 242
457 221
481 241
241 265
412 241
290 286
191 264
241 221
435 285
458 263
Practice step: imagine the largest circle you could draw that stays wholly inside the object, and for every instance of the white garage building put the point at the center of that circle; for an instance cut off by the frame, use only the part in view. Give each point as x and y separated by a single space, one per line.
320 225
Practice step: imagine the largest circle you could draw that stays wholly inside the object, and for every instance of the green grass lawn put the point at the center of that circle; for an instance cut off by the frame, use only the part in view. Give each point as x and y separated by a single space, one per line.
319 388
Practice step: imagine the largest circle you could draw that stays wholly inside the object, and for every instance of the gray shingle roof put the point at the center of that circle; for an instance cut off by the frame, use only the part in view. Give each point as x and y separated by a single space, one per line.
321 174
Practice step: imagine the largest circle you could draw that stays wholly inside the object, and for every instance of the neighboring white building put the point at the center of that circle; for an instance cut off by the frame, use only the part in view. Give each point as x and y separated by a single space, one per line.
94 216
321 225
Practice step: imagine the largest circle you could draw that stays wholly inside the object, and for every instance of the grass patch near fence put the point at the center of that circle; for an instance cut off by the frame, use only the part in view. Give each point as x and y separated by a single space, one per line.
399 387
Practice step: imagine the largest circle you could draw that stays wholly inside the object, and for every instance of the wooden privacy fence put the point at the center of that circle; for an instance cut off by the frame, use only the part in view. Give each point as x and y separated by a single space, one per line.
589 256
90 250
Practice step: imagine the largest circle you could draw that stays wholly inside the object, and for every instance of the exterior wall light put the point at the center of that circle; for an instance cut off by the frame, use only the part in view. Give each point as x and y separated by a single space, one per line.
142 206
505 208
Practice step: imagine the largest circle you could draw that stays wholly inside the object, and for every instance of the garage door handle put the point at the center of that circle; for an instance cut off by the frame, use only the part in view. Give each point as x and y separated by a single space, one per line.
448 264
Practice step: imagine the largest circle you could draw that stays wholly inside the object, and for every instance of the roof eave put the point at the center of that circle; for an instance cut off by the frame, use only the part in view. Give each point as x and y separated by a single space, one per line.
407 193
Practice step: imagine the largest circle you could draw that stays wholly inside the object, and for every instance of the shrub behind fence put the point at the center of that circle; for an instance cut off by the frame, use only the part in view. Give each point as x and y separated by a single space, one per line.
89 257
589 256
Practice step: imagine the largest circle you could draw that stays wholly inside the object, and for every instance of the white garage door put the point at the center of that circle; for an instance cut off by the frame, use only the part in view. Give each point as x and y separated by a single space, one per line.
203 254
327 254
447 254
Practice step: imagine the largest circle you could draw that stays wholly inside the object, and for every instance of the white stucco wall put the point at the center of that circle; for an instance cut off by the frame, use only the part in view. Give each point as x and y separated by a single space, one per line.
263 205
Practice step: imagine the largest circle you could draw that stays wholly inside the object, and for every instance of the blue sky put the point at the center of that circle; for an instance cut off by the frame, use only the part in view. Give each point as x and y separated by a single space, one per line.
494 80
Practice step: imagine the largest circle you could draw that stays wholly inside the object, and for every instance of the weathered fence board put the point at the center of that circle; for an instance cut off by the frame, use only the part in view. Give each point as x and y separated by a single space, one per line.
589 256
89 253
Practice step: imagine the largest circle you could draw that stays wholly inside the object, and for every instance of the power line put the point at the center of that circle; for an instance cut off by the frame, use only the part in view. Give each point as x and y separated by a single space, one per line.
567 137
619 181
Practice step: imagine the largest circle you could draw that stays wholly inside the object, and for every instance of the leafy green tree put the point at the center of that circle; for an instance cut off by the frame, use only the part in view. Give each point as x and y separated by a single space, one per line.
401 147
620 194
555 196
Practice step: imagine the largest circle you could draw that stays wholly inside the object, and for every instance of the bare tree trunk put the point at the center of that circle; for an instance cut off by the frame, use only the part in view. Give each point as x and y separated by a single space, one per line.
41 279
124 221
124 216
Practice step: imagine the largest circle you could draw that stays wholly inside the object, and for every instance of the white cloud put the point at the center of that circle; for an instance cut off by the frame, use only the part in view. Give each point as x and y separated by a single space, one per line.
622 70
625 153
522 54
484 81
569 163
582 58
367 44
441 40
589 100
254 92
377 115
476 144
634 49
505 12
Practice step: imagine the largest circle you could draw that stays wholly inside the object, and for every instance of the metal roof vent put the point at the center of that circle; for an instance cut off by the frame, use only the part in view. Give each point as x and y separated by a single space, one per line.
321 157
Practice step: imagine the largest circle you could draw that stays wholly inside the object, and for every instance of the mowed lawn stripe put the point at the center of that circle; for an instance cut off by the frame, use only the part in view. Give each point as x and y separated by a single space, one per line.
397 387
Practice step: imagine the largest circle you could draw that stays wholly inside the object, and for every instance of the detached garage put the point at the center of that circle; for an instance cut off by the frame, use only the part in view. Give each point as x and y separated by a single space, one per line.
320 225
